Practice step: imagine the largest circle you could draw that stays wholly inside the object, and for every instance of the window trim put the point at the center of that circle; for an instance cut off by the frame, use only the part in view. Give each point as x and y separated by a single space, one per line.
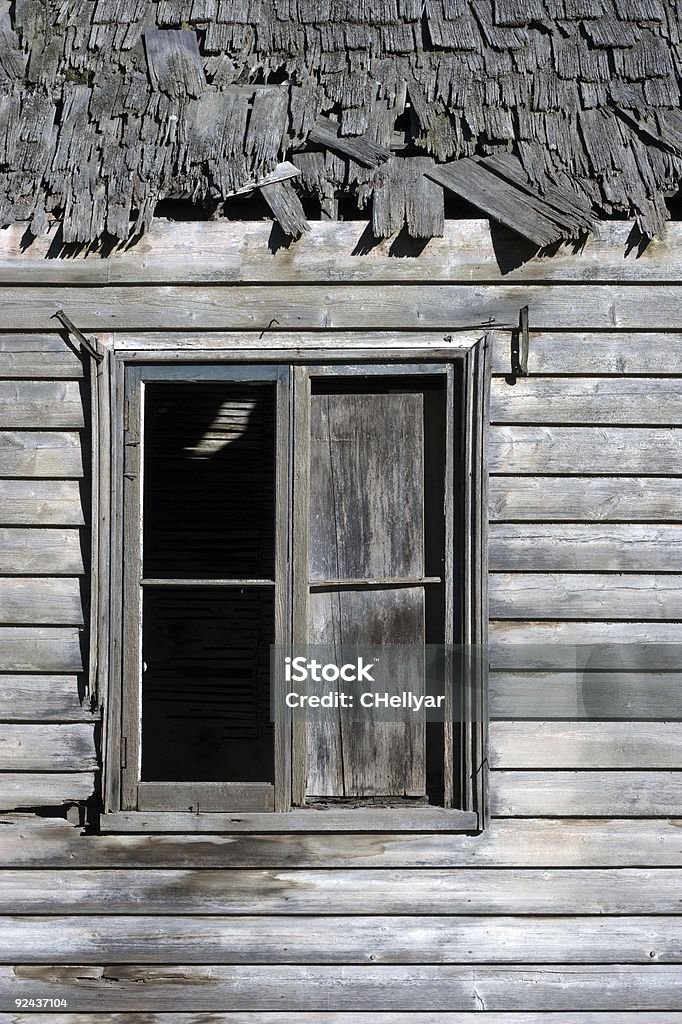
473 360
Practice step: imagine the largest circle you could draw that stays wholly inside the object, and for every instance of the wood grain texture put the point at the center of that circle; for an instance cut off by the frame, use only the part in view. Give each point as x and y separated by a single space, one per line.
611 596
639 400
238 251
40 454
35 552
334 1017
586 793
247 940
32 600
31 789
41 503
628 499
593 353
171 988
23 363
586 450
258 345
43 698
572 548
586 745
400 306
428 891
47 748
593 646
310 819
624 694
39 649
30 842
42 403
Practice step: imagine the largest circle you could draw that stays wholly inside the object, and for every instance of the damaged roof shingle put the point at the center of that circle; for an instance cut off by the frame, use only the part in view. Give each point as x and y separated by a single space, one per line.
108 106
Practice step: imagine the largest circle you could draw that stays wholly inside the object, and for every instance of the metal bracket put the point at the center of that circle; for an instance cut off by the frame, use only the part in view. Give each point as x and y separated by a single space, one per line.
91 345
519 345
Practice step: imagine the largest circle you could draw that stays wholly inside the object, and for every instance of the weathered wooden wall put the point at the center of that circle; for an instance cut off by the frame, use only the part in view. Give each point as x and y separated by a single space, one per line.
568 907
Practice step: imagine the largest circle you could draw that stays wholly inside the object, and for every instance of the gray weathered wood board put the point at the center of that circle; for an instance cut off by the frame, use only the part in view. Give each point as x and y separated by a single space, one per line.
30 842
399 306
429 891
40 454
577 695
28 600
32 789
586 794
341 1017
47 748
597 642
43 698
593 499
42 403
586 745
41 503
535 595
375 755
366 508
38 362
575 547
141 939
586 450
635 400
410 987
35 552
595 353
366 522
40 649
238 251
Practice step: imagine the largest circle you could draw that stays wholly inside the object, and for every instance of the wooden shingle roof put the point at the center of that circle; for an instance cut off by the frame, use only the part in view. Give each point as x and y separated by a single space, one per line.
542 113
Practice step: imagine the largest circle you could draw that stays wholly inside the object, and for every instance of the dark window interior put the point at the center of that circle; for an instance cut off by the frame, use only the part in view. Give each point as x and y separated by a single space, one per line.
209 497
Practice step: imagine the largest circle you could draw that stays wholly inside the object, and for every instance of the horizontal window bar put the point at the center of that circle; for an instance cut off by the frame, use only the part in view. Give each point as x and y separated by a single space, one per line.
205 583
377 582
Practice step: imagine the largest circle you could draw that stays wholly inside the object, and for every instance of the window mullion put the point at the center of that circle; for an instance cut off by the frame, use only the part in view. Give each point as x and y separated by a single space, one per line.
131 641
300 503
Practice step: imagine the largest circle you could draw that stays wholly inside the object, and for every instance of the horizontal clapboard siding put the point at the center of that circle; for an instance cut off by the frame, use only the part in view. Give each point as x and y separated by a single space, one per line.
140 939
44 403
612 596
47 738
44 747
44 698
41 503
622 499
403 891
586 794
239 251
44 789
412 987
37 552
339 306
610 401
586 745
341 1017
576 451
545 843
626 694
615 548
586 779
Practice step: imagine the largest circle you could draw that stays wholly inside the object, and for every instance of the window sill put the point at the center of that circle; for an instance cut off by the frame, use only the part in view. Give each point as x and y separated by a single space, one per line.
428 819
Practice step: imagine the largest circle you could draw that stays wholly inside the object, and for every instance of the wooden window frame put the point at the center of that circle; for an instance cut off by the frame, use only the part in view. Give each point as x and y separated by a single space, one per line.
467 371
